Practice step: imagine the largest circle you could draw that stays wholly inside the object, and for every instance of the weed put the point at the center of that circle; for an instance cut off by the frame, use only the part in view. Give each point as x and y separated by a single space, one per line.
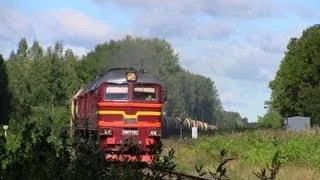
274 169
221 171
162 164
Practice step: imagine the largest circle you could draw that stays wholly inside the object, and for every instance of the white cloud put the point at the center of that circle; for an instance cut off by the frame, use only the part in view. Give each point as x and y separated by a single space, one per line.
77 50
303 10
76 24
231 9
168 24
173 24
227 96
5 52
213 30
244 96
12 25
237 60
69 26
271 43
241 72
228 8
268 74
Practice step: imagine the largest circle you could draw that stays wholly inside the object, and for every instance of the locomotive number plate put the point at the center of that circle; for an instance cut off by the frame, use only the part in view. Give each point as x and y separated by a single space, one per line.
130 132
130 120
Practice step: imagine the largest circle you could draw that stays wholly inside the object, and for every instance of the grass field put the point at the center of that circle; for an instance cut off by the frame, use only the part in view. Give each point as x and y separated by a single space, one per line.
299 153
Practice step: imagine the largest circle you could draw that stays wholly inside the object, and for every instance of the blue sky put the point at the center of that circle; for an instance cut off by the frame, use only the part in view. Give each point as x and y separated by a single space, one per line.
237 43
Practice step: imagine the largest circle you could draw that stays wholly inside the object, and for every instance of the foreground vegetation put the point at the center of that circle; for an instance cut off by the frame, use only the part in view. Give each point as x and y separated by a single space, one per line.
266 154
299 152
39 156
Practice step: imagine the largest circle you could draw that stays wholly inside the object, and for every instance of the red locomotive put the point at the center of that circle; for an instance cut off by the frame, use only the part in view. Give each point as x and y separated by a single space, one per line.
122 106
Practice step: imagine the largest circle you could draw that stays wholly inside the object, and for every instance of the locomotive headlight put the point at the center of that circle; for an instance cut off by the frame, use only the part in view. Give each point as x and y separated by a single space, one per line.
107 132
131 76
154 132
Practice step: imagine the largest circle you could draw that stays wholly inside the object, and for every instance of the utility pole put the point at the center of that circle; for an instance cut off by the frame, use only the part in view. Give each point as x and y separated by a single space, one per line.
5 127
218 119
202 115
141 64
181 129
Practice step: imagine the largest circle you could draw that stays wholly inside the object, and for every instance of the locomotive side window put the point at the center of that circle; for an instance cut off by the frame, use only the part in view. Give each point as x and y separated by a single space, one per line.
117 92
144 93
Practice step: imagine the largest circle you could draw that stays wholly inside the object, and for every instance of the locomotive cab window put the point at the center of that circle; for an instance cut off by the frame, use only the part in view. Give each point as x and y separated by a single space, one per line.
144 93
117 92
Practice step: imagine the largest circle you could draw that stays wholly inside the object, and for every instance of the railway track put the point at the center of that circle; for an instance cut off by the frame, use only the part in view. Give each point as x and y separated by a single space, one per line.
174 175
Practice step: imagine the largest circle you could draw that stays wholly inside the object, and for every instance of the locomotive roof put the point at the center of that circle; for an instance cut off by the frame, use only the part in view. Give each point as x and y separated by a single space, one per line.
118 76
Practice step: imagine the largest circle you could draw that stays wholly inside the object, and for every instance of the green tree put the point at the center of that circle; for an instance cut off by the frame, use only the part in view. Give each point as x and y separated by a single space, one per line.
295 89
42 82
18 68
4 93
36 51
189 95
271 119
22 49
230 120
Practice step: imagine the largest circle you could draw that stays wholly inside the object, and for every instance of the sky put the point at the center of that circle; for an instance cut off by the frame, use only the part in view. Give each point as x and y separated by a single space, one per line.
239 44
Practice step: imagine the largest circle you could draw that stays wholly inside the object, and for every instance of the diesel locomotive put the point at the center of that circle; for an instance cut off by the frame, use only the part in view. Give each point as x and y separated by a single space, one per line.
121 106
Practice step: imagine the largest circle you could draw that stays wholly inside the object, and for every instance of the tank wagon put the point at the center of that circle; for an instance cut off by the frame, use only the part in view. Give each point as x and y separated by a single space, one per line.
172 125
121 107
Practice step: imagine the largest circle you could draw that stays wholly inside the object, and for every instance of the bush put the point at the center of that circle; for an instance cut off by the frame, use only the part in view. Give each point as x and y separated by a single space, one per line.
39 157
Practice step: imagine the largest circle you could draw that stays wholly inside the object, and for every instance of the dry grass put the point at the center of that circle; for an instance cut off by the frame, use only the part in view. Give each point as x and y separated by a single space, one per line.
191 153
242 171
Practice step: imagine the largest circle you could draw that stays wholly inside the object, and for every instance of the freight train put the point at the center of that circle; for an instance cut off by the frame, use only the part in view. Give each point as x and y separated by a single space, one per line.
171 126
122 107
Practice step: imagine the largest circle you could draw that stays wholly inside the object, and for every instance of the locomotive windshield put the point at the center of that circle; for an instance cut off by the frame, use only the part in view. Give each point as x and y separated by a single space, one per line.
144 92
117 92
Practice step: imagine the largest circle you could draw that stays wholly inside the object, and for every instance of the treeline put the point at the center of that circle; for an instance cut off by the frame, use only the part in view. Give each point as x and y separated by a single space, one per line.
296 88
39 82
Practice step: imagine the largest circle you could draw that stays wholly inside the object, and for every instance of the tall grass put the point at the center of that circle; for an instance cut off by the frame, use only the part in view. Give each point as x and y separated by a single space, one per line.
251 150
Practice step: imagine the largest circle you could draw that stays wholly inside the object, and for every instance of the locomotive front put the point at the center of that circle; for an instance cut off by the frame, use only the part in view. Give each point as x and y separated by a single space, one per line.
129 113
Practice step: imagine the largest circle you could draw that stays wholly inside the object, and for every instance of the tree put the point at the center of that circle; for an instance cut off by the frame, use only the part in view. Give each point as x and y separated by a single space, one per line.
36 51
295 89
20 84
230 120
4 93
271 119
190 95
22 49
42 83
